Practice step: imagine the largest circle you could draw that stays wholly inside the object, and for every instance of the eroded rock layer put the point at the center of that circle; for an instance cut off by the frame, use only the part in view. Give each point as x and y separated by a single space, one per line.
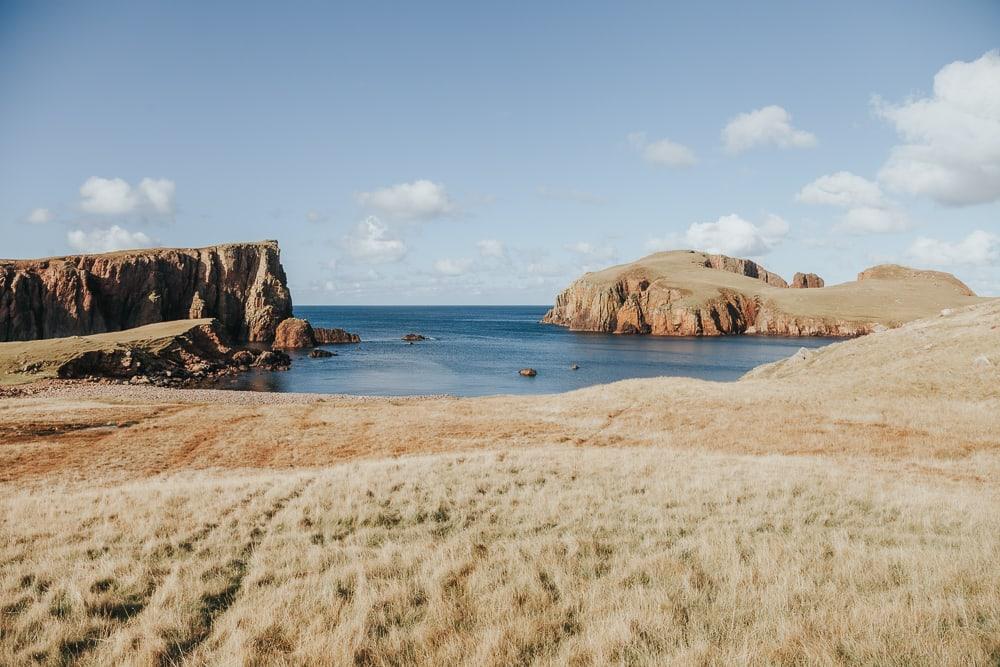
684 293
242 285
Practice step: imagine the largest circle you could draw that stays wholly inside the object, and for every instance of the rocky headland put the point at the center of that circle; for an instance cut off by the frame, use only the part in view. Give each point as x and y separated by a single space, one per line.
688 293
175 353
242 285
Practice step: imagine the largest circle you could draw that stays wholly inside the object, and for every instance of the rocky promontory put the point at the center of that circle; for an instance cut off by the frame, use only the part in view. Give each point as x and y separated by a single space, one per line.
688 293
242 285
166 353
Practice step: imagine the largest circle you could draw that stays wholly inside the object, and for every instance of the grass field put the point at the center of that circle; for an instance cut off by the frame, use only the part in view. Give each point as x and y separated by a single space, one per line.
838 508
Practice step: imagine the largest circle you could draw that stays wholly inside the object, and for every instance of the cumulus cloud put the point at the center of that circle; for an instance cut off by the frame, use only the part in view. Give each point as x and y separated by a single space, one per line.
570 194
868 211
39 216
873 220
421 199
371 241
842 189
662 152
979 248
732 235
492 248
590 250
115 196
107 240
159 193
952 139
769 126
452 267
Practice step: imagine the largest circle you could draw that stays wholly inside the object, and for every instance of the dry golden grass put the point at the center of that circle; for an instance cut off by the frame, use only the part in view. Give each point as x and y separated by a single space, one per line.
843 508
553 556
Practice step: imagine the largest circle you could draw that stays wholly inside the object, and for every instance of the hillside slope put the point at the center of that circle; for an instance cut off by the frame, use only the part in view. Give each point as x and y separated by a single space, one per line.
838 508
686 293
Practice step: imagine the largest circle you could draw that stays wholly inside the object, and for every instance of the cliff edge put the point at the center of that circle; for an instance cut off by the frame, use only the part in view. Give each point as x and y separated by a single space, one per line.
242 285
688 293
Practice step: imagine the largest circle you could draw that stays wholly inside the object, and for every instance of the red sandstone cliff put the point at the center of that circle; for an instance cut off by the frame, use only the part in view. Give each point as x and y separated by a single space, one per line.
685 293
242 285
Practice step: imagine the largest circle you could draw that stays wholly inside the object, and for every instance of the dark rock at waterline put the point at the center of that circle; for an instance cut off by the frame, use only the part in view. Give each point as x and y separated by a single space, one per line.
574 367
273 360
334 336
528 372
321 354
411 337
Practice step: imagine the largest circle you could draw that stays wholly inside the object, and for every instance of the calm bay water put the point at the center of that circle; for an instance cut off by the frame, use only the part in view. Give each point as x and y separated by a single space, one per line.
478 350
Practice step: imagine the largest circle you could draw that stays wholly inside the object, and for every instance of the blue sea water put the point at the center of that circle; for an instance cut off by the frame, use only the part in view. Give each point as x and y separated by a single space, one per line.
478 350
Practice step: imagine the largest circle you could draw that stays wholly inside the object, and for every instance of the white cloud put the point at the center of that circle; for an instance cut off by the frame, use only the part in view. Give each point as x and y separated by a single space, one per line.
159 193
420 199
545 268
952 139
107 240
842 189
492 248
979 248
370 241
452 267
732 235
771 125
39 216
114 196
315 216
571 194
663 152
590 250
873 220
868 210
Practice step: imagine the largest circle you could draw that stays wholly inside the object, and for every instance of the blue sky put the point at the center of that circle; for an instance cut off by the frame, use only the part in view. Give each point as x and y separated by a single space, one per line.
448 153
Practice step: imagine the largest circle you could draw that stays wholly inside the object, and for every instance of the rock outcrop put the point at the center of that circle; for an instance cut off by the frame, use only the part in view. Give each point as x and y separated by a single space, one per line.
806 281
166 353
242 285
686 293
334 336
294 334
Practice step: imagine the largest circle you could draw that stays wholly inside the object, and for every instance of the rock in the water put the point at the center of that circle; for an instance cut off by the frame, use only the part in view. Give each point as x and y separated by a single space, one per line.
243 357
242 285
273 360
806 281
411 337
334 336
321 354
528 372
294 334
574 367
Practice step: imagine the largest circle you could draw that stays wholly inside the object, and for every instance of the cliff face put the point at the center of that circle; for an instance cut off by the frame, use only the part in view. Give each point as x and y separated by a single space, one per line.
684 293
242 285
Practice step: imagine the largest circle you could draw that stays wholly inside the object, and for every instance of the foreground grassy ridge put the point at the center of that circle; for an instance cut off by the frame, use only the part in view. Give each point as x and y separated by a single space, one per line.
555 556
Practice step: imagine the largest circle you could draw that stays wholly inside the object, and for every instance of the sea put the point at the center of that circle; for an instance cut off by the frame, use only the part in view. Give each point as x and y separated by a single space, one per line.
478 351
